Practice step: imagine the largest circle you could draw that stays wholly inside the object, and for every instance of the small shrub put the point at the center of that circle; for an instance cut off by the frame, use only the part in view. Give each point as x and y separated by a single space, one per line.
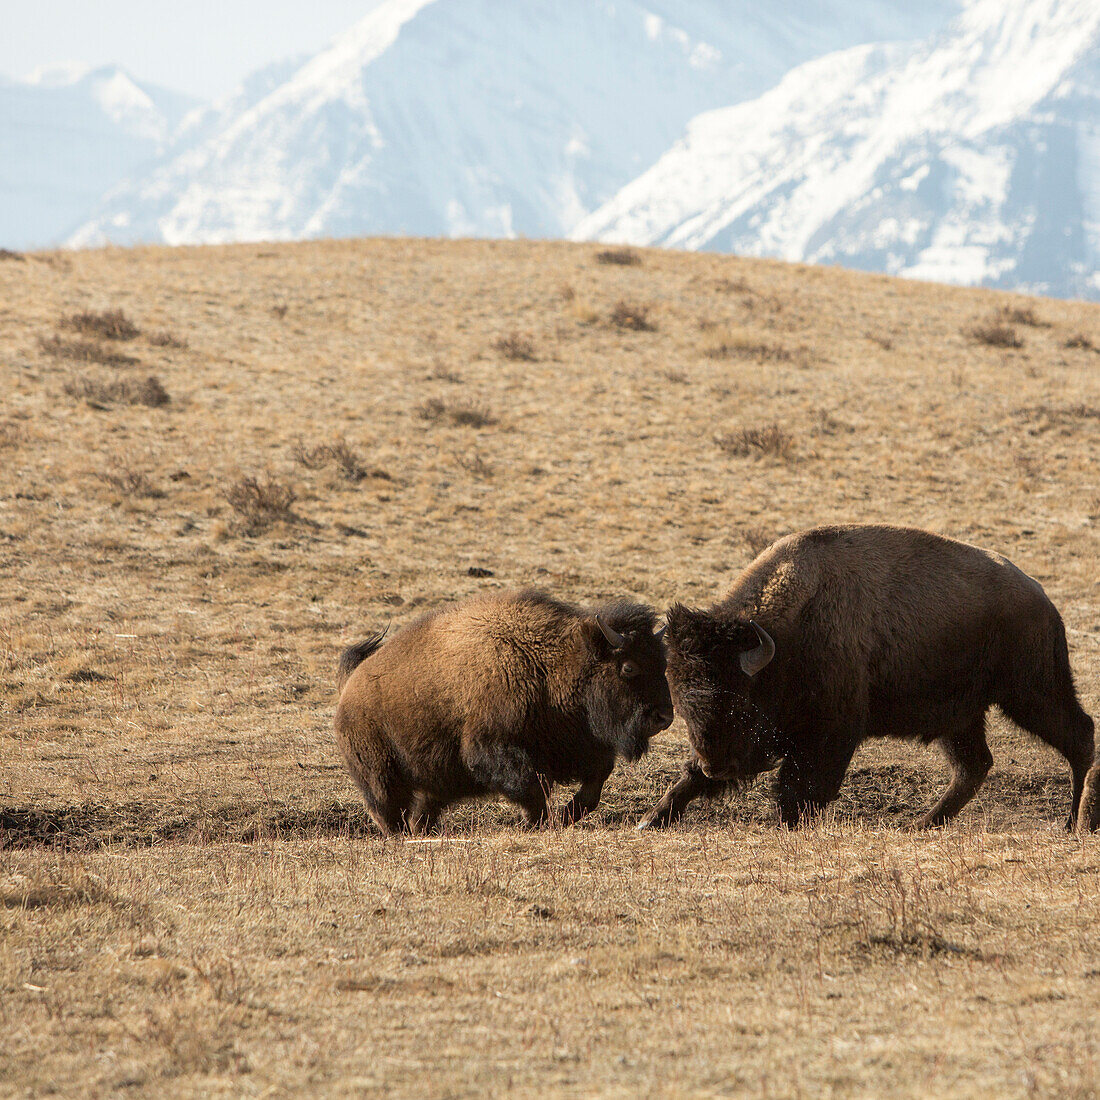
341 454
633 316
1081 341
112 324
85 351
996 335
1021 315
477 465
516 346
347 461
464 416
624 257
770 440
280 310
261 501
165 339
130 482
124 391
8 254
757 539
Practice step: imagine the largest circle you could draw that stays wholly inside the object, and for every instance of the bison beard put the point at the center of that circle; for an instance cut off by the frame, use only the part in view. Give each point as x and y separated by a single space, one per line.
878 631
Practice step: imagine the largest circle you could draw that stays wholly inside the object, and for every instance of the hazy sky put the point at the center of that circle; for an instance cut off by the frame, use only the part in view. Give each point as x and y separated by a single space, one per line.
203 47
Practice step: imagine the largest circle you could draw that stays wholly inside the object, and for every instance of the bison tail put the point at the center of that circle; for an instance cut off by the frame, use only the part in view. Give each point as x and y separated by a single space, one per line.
355 655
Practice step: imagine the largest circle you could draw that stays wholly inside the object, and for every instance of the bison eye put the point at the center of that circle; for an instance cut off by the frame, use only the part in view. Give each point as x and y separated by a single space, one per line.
630 670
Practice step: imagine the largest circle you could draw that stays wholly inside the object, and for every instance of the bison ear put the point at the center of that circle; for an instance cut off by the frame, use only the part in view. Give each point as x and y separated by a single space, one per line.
600 638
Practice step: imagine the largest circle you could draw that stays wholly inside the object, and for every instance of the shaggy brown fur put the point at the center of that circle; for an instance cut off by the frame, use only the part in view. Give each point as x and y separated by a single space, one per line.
878 631
503 693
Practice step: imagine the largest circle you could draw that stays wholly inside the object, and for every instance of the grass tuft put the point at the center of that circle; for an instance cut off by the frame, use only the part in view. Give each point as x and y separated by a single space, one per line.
996 334
260 501
633 316
436 411
111 324
85 351
516 346
771 441
130 482
623 257
146 391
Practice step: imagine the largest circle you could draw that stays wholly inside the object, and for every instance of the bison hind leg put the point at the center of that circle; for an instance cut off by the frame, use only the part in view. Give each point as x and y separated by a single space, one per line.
1065 727
1088 812
968 754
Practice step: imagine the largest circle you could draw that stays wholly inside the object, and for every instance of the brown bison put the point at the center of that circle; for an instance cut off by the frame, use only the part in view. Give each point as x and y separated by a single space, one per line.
841 633
501 694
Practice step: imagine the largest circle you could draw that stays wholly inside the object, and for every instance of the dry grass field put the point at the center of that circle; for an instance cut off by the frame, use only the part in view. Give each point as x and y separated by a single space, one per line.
220 465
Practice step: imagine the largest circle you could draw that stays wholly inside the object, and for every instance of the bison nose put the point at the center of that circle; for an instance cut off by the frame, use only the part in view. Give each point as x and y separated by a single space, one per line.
662 718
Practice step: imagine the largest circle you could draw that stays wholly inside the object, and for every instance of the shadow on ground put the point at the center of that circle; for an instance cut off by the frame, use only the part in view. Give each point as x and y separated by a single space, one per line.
881 796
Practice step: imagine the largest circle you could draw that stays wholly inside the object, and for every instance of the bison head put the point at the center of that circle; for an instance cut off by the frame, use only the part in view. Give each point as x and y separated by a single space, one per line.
628 700
712 664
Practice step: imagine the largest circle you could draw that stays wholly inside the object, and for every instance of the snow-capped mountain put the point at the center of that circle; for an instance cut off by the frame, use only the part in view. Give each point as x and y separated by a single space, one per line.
66 137
972 157
477 117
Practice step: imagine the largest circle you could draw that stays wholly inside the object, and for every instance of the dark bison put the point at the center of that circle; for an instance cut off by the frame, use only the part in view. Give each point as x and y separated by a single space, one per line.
842 633
501 694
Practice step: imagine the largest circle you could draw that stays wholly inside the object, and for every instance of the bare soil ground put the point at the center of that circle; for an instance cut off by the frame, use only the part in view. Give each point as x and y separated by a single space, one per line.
301 443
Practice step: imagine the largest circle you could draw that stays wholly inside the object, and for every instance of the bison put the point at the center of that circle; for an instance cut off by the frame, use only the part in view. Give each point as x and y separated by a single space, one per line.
841 633
503 694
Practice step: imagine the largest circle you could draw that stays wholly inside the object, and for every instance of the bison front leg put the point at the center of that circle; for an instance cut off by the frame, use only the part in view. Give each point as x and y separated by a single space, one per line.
810 778
585 800
508 770
691 784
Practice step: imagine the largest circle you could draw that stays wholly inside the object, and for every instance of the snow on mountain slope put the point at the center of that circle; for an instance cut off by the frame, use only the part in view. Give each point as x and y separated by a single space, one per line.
68 136
477 117
973 158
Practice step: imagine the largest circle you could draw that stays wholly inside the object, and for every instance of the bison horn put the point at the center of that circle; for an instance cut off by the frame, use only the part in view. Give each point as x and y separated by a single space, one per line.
613 636
660 634
753 660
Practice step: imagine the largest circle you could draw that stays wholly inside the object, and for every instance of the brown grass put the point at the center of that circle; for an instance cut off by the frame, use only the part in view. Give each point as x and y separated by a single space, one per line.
192 901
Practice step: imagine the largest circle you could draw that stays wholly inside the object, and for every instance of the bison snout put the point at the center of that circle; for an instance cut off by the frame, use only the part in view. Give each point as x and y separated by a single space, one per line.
661 718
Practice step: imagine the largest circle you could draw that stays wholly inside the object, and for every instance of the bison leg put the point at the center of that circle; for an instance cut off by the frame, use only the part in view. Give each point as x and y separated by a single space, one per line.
805 786
1064 727
509 770
970 760
423 816
584 801
1088 814
691 784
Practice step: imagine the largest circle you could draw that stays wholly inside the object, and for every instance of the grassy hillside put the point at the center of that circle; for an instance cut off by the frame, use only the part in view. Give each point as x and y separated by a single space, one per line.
220 465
